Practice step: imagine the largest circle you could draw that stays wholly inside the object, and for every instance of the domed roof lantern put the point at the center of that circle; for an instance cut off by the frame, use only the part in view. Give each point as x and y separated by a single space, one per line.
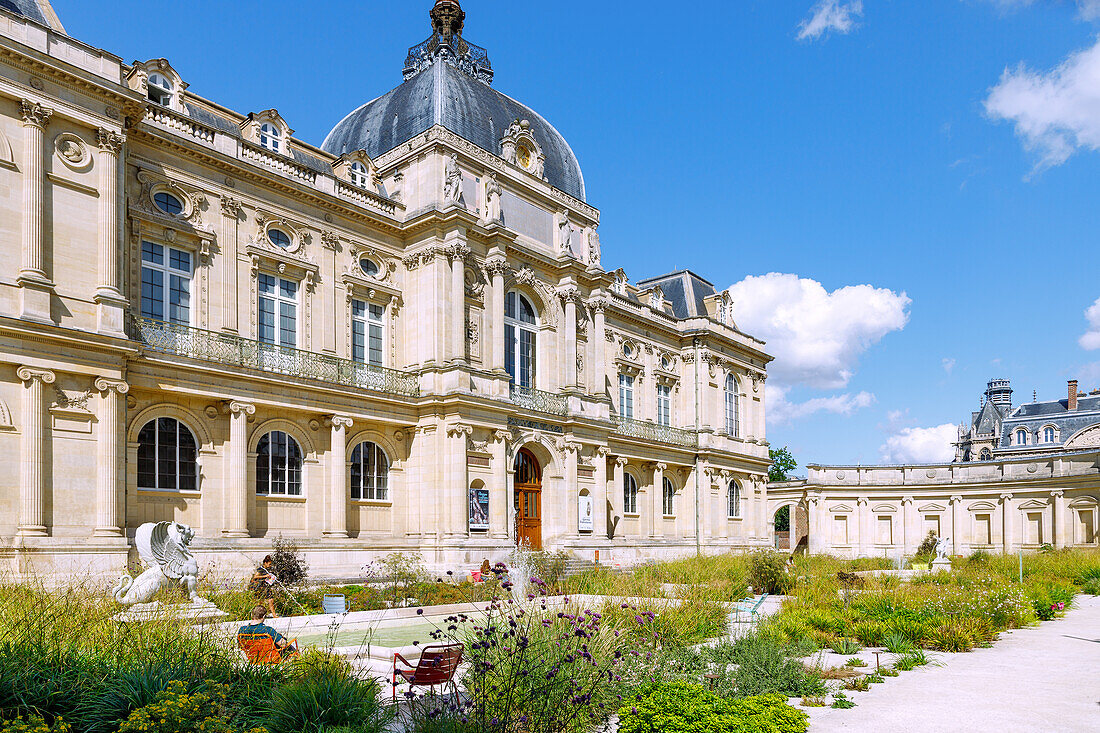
447 44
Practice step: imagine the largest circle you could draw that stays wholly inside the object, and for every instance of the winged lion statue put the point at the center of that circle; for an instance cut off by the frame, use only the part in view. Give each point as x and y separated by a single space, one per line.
165 547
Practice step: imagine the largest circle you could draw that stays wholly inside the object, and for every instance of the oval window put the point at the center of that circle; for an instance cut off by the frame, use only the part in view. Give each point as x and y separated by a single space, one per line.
369 267
666 363
279 238
168 203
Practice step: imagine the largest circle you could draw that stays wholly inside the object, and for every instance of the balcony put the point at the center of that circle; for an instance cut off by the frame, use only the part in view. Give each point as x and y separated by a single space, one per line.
535 400
231 350
655 433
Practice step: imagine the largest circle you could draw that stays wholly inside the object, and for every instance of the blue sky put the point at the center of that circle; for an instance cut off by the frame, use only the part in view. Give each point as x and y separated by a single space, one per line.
925 174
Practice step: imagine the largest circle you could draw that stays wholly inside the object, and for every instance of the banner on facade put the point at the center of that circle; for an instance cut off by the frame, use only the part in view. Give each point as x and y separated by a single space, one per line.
479 509
584 513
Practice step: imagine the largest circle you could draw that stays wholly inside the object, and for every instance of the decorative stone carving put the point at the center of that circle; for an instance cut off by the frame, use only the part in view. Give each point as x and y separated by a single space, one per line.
398 192
78 401
109 142
35 114
593 241
494 214
565 235
452 182
72 151
231 207
166 548
519 148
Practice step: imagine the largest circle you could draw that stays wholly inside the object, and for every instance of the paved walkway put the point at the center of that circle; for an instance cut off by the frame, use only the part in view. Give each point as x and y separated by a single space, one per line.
1045 678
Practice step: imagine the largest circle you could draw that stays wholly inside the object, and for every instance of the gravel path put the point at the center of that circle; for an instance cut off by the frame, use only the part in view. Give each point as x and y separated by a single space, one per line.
1045 678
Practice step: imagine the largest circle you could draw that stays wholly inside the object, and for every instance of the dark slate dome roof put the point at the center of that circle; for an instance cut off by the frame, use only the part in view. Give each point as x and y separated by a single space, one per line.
450 89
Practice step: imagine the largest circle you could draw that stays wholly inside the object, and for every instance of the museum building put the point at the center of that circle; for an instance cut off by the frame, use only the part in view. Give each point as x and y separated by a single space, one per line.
402 340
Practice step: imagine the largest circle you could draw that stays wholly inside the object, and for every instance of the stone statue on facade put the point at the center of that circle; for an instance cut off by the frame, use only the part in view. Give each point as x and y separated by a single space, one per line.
165 547
565 238
593 247
493 192
452 182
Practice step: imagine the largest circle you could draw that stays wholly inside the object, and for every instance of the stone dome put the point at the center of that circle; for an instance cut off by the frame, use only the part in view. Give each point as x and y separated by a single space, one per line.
447 83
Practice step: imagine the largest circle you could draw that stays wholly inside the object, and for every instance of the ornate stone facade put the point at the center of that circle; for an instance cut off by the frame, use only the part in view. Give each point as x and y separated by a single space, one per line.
206 321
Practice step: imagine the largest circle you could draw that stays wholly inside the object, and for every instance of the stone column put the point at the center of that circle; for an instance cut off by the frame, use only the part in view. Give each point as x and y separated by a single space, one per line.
227 269
498 489
496 267
909 533
1008 511
569 295
657 526
957 529
455 485
1058 518
749 510
599 500
568 505
815 544
338 476
34 284
32 474
456 304
109 443
236 488
599 347
110 303
615 494
863 522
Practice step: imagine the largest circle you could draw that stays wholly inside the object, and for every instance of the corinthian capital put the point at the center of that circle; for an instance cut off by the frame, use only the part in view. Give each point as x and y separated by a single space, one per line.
569 293
111 385
496 266
109 142
36 114
30 374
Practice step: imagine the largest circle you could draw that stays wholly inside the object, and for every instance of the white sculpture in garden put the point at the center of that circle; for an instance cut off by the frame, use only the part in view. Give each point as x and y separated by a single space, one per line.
942 545
165 548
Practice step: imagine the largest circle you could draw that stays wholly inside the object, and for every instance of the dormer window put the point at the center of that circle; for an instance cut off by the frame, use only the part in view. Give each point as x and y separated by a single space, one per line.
271 137
359 175
279 238
161 90
1021 437
168 203
1048 434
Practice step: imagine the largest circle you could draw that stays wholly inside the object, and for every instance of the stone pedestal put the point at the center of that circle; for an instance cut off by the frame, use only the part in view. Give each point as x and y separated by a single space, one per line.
201 611
941 564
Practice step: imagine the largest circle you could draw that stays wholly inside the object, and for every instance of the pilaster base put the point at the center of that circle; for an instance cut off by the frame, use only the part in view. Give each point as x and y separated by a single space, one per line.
35 298
33 530
110 312
107 532
236 534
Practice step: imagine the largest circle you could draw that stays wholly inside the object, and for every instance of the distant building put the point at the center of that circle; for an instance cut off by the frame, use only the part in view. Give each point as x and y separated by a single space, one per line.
998 430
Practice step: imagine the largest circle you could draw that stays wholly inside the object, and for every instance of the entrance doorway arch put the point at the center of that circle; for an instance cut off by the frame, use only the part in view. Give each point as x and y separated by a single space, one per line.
527 500
782 525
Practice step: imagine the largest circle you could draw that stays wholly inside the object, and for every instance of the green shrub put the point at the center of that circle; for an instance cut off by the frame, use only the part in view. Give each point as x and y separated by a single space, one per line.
888 672
1091 586
859 684
763 669
869 633
855 662
841 701
953 635
175 710
768 573
683 707
323 693
845 646
926 551
874 678
288 564
911 660
34 724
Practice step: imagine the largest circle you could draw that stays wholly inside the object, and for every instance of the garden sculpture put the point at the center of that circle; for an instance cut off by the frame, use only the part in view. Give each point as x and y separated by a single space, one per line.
942 544
165 548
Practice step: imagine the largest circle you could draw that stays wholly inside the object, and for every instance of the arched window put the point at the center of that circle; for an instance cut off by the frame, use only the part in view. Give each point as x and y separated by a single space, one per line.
528 472
520 339
161 89
359 175
986 455
734 500
271 137
167 457
278 465
733 407
669 498
630 494
370 473
1048 434
1021 437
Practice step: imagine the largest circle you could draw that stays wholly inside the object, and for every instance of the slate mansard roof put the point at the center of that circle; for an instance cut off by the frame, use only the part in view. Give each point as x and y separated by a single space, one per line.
685 290
40 11
1036 415
443 95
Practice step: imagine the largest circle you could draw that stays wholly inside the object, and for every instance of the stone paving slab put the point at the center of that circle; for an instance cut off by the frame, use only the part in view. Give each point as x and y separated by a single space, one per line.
1045 678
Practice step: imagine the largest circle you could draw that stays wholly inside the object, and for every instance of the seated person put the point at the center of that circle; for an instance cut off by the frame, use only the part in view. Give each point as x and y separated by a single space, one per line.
258 629
262 585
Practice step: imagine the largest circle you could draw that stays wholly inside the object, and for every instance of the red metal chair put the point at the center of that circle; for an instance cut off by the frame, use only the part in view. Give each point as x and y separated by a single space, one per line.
437 666
261 649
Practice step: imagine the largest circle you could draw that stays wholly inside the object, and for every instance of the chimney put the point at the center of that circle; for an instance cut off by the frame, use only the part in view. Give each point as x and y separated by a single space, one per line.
1072 403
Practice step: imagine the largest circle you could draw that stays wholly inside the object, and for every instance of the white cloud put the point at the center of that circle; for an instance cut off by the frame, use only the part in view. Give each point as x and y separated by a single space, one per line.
1055 113
782 411
921 445
1091 340
1089 9
949 365
830 16
816 336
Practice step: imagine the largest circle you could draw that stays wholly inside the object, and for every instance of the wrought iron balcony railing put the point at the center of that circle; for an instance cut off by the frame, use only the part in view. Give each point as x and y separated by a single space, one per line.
657 433
225 348
538 401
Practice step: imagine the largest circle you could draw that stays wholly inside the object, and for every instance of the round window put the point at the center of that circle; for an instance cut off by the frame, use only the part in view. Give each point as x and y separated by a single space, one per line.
279 238
628 350
168 203
666 363
369 267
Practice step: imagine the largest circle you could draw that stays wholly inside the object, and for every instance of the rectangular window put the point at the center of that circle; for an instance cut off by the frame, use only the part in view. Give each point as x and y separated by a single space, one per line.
165 283
1034 528
733 427
664 404
885 531
932 524
278 311
366 332
1086 527
626 396
840 530
983 529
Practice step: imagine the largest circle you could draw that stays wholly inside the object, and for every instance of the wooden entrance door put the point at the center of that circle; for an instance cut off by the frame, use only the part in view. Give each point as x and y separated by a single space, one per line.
527 497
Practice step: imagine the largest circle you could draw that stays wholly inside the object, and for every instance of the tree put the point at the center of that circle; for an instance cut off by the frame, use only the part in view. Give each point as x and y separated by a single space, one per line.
783 463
